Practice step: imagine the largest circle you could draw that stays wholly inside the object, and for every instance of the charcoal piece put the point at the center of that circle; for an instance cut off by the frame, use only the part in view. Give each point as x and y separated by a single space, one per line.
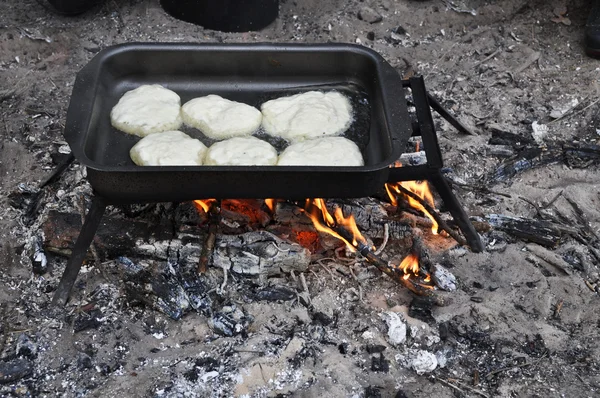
209 364
104 368
477 299
84 361
420 308
275 293
87 320
259 253
380 364
535 346
22 197
321 318
444 330
399 30
226 325
371 35
413 158
375 348
156 286
191 375
477 285
373 392
517 141
501 151
573 258
542 232
26 347
400 394
39 261
343 348
14 370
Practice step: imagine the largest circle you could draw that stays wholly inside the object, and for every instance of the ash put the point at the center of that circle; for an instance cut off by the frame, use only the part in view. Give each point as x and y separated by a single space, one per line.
523 320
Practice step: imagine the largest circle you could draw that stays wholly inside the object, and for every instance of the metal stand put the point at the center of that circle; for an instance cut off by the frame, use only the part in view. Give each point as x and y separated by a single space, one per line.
432 170
88 230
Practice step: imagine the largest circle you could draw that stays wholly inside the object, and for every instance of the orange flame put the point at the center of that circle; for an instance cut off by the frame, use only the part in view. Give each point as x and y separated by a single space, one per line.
271 203
420 188
410 265
323 221
204 204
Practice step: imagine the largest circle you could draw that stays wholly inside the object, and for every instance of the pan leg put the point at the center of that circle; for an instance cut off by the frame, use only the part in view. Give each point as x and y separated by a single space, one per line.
88 230
457 211
433 102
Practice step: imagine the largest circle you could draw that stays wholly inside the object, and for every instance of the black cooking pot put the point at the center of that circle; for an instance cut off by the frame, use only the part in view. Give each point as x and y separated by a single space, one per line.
224 15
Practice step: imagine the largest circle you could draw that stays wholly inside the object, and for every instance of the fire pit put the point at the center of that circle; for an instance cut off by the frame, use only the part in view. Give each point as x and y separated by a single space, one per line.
200 69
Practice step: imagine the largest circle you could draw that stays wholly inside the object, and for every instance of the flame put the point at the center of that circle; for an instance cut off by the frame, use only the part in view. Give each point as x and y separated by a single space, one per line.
420 188
204 204
315 209
271 204
323 221
410 265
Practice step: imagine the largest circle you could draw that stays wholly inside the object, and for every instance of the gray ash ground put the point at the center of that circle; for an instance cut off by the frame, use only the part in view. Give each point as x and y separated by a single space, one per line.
516 327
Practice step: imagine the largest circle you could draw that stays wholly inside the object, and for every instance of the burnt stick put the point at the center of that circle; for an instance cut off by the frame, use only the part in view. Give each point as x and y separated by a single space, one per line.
395 273
441 223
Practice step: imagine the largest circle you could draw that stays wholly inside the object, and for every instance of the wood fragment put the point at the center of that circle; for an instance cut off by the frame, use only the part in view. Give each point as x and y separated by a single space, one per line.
554 199
558 308
534 205
528 62
386 235
590 286
480 188
473 390
492 55
550 257
447 383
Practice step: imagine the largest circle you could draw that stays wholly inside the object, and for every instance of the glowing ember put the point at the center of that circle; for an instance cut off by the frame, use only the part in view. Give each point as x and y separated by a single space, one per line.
204 204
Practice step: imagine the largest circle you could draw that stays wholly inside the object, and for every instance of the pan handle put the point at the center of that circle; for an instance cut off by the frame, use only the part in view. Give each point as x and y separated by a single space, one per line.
396 110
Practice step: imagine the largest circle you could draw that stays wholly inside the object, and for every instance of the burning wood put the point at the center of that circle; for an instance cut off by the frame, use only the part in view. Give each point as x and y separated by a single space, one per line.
346 230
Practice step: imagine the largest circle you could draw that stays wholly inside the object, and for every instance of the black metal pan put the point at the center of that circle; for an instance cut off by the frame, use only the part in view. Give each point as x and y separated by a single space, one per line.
243 72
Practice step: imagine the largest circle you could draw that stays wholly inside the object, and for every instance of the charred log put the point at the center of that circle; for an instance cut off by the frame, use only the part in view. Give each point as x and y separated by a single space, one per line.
116 236
371 217
259 253
542 232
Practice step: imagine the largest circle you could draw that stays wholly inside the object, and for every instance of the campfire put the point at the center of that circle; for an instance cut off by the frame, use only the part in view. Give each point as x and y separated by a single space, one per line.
330 220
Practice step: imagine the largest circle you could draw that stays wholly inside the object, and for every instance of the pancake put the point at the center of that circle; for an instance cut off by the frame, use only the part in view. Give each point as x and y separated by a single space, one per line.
219 118
309 115
146 110
169 148
328 151
238 151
